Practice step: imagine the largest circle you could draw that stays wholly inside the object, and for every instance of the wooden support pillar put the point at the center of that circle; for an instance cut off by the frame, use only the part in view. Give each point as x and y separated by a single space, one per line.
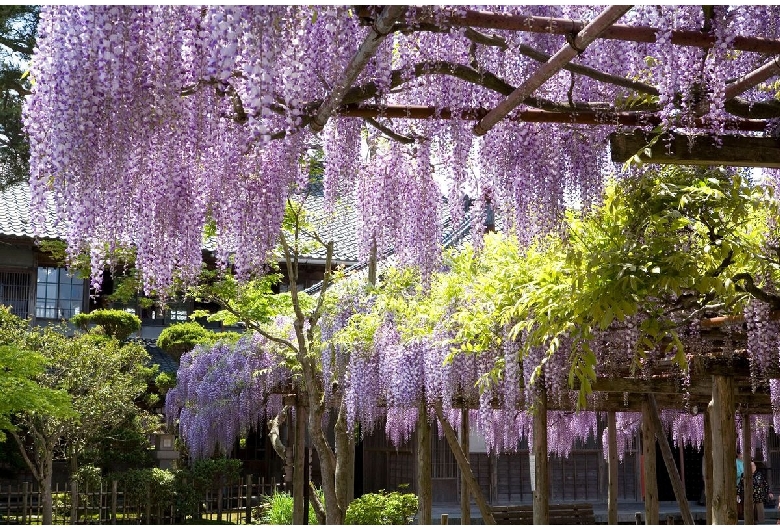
666 452
648 459
724 470
424 459
747 452
465 498
707 464
299 464
541 486
612 463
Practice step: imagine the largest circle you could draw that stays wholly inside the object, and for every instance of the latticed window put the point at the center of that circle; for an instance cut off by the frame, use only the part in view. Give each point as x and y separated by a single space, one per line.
59 295
15 292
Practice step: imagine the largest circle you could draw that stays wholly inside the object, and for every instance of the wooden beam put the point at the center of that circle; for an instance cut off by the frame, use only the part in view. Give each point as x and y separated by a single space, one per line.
648 459
562 26
724 471
606 117
747 459
464 465
299 465
382 26
465 500
707 463
698 150
541 497
424 459
588 34
671 469
749 80
612 464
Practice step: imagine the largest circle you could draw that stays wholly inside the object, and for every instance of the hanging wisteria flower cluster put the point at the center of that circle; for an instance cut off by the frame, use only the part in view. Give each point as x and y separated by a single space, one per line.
148 122
225 390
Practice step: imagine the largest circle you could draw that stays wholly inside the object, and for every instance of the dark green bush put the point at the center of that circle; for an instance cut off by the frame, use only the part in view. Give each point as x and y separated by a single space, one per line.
213 473
178 339
154 486
115 323
382 508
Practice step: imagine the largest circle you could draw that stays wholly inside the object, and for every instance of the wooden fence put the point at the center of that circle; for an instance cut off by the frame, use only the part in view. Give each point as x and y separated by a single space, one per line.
21 503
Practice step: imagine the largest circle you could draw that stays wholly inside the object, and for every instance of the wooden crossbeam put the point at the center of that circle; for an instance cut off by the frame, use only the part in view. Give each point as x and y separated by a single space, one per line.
562 26
699 150
571 50
382 26
749 80
606 117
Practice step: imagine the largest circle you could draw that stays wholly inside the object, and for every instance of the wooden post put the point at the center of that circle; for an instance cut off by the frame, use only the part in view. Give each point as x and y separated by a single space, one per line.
465 500
707 464
747 451
114 487
648 458
249 499
298 485
541 487
445 519
666 452
612 463
724 471
74 501
638 517
25 493
424 458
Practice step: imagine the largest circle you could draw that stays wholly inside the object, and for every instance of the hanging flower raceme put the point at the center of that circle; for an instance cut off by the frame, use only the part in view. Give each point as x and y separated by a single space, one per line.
223 391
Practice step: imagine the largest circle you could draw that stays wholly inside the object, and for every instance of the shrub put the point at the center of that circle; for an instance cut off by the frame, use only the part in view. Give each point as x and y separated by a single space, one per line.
382 508
278 509
214 473
156 486
178 339
115 323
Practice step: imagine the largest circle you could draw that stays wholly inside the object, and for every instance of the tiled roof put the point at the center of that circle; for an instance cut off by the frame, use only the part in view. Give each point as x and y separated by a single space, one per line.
341 227
15 214
166 363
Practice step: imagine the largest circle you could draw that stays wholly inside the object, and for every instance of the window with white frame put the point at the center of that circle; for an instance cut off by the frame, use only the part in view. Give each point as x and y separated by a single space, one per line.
59 294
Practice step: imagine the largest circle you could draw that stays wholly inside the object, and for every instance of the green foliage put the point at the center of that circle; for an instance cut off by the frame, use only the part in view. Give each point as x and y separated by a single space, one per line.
165 381
663 249
252 302
180 338
20 371
213 473
382 508
115 323
18 26
277 509
88 476
153 486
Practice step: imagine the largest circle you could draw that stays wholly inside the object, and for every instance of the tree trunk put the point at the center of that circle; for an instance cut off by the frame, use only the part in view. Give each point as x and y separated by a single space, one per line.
648 458
724 470
45 485
465 467
424 458
542 486
298 464
345 460
612 462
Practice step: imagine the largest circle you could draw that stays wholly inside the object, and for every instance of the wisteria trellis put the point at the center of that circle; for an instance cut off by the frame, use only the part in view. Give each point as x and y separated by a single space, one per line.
148 122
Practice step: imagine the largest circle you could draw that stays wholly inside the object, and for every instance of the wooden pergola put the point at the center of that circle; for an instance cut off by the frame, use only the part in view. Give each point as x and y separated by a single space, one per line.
719 383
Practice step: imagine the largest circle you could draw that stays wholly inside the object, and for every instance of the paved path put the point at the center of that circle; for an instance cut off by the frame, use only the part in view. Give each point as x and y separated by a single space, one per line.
626 513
